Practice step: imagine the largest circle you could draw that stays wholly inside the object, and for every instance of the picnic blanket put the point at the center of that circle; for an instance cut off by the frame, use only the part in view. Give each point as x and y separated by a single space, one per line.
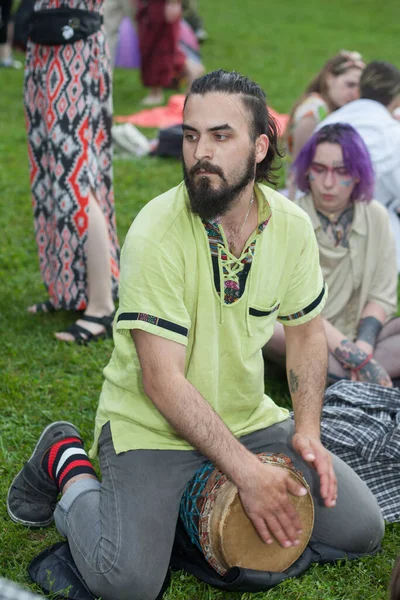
361 425
166 116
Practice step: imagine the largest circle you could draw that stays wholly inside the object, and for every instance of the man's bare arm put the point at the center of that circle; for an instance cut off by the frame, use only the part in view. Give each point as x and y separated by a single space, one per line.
263 489
306 365
162 363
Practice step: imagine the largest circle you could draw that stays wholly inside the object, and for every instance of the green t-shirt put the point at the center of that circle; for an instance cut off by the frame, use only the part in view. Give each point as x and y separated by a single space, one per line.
172 270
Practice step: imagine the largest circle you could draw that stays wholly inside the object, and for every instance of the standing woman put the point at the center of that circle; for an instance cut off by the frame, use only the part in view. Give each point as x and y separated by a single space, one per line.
68 108
163 63
357 257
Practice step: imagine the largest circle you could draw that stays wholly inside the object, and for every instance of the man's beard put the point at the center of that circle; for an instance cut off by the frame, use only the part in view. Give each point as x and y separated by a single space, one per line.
207 202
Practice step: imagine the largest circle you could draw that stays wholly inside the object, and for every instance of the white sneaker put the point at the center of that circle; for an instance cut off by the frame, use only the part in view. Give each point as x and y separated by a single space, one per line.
129 139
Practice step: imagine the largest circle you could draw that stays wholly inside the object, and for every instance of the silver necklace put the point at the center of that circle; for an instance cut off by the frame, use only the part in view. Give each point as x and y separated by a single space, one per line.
246 215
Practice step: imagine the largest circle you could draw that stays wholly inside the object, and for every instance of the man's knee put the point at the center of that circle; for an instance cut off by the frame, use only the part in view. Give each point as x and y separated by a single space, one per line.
367 532
356 523
128 585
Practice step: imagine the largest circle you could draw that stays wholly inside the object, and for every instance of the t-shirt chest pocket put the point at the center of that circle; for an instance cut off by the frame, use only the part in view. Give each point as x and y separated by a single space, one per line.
261 321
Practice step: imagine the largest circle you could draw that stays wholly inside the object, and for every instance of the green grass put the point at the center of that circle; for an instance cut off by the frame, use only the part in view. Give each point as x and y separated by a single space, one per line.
280 45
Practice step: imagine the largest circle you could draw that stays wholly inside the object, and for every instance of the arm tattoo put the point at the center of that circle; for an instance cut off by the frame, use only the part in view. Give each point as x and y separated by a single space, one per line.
375 373
293 382
368 330
349 355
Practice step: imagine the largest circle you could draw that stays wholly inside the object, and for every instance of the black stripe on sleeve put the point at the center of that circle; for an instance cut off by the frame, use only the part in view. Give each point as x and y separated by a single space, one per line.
135 316
262 313
305 310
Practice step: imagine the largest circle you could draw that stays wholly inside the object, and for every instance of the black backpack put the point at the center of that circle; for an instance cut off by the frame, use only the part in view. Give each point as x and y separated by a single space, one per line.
170 142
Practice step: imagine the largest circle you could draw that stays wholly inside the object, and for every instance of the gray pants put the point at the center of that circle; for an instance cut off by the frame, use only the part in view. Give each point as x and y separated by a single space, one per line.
121 530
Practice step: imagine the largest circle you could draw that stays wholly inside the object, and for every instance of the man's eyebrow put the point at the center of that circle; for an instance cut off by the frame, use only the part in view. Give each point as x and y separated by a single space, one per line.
188 128
224 127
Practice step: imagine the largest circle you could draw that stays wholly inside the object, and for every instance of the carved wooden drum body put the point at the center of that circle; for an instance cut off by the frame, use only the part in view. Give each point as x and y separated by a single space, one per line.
214 518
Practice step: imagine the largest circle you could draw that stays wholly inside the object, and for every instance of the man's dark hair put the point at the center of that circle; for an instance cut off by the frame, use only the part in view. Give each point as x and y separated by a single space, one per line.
255 101
380 81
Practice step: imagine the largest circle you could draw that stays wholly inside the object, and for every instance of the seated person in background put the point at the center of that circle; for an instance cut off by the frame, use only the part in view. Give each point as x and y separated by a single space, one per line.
357 257
372 117
163 63
335 85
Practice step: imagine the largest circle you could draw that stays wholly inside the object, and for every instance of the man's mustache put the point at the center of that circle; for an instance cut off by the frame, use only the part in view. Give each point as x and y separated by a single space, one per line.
206 166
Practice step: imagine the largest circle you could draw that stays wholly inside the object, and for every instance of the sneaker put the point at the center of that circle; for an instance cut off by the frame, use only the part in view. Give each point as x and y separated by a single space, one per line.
32 496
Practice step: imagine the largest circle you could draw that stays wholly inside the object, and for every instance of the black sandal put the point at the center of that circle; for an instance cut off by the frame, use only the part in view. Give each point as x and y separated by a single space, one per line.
83 336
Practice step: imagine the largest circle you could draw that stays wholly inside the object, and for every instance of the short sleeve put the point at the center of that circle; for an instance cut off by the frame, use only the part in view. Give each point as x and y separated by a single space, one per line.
312 106
151 289
306 294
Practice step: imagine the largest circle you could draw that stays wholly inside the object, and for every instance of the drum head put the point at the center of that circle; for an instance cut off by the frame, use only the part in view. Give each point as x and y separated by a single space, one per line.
230 539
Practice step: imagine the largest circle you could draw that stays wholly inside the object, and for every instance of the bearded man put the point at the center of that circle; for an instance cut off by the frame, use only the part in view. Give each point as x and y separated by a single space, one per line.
207 268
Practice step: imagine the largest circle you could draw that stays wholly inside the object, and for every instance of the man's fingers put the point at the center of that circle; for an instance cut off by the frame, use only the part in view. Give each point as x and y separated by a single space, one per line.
305 449
262 530
282 528
332 493
328 483
295 488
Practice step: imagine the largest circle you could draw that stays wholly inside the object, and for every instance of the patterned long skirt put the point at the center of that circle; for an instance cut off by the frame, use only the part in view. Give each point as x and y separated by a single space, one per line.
68 108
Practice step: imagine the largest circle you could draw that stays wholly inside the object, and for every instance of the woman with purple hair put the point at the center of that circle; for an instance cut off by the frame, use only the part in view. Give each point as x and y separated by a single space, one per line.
357 256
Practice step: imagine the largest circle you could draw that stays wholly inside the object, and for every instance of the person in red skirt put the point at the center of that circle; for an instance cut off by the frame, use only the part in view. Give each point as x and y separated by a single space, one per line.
163 62
68 109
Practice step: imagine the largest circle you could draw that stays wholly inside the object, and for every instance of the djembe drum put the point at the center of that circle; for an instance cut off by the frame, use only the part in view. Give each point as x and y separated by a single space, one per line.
217 524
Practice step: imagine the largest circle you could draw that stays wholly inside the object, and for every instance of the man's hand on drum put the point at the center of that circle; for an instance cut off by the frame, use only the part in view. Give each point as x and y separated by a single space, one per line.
311 450
265 495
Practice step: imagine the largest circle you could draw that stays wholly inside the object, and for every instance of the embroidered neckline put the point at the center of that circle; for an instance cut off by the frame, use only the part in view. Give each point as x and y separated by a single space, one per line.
234 270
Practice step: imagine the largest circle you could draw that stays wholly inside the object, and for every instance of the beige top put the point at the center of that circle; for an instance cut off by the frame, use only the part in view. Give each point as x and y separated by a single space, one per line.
364 272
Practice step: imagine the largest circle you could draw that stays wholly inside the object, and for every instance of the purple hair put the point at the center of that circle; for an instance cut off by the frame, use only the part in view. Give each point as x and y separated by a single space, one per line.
355 157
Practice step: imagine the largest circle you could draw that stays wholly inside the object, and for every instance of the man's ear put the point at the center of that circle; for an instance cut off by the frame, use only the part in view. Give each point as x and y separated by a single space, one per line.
262 145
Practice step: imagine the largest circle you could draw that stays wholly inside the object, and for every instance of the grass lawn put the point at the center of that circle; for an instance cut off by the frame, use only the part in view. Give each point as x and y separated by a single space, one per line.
280 45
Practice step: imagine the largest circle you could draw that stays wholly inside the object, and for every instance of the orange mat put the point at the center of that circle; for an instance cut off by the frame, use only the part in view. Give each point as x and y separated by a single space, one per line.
166 116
